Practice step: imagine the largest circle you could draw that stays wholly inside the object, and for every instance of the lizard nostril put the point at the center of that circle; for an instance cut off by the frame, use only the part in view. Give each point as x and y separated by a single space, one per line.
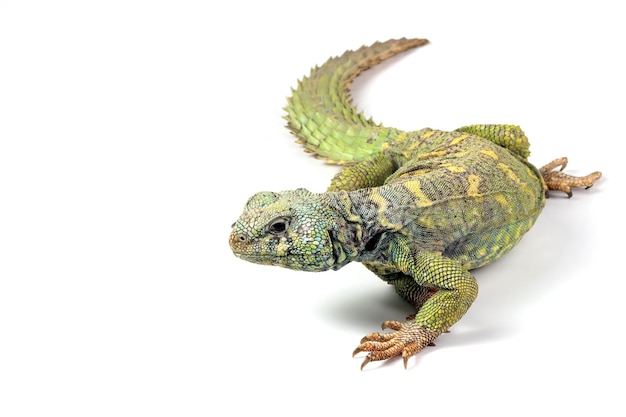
238 239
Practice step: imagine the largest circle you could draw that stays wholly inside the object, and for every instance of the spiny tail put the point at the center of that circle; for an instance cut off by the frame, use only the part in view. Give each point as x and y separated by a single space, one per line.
320 111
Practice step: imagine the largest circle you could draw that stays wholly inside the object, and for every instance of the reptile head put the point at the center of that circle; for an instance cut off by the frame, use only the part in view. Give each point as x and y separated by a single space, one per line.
291 229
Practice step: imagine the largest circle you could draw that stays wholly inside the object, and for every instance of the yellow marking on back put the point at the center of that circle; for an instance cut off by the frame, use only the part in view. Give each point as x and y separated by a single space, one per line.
432 154
474 182
415 188
427 222
458 139
401 137
502 200
381 203
509 172
452 168
428 134
490 153
409 149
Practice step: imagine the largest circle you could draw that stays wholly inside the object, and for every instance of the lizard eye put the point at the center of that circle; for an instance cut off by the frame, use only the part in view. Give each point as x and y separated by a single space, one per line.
278 226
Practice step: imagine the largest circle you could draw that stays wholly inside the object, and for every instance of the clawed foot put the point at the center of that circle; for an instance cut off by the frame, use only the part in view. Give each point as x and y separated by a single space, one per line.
558 180
407 339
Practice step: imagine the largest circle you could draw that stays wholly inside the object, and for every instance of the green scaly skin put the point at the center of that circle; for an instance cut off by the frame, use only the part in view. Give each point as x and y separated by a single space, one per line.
420 209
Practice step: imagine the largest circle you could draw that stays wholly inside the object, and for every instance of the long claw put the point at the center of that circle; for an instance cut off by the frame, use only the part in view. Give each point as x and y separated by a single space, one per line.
365 362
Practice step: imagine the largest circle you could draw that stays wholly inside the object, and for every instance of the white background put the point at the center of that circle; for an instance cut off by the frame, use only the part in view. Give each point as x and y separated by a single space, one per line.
132 132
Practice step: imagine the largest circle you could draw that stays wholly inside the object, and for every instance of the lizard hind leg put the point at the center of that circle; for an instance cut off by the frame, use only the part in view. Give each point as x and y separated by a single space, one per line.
560 181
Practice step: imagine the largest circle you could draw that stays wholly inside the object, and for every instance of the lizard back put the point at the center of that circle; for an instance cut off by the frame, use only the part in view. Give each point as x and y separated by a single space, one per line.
454 193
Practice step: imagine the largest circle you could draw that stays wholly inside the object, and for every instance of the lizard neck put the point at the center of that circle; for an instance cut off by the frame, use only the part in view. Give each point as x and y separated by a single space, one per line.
354 229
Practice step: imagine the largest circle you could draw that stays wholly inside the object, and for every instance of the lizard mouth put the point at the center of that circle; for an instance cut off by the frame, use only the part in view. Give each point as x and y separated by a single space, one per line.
256 258
332 256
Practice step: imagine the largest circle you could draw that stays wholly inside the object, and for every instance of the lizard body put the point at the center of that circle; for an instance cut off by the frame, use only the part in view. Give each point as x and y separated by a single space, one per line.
419 209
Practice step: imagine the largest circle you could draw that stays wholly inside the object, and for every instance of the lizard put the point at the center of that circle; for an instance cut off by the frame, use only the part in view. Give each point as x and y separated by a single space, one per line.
420 209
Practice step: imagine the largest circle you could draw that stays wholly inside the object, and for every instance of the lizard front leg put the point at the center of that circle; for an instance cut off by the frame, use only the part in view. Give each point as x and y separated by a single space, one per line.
454 291
369 173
